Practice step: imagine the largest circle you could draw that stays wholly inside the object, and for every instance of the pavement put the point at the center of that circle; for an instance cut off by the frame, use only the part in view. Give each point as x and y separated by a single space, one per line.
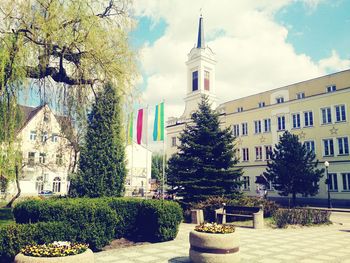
301 244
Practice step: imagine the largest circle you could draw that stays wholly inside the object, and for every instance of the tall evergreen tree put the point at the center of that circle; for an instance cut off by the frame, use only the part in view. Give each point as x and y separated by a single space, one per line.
293 169
102 167
204 165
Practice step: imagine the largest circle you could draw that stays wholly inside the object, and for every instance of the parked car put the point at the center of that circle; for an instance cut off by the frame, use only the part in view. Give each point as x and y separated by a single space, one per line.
46 193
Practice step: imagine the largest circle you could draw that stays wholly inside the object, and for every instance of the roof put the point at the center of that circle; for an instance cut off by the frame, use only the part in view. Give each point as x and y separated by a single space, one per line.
200 41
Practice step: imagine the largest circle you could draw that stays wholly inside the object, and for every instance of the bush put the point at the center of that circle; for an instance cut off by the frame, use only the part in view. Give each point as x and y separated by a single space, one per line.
301 216
15 236
95 221
269 206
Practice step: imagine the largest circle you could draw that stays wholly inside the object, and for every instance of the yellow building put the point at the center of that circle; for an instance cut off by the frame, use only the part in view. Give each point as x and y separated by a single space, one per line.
316 110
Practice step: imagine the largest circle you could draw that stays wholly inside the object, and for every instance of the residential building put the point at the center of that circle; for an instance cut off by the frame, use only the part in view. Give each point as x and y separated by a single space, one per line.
317 110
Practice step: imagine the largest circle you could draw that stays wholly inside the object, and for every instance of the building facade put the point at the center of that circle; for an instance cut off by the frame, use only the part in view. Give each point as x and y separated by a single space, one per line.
316 110
47 153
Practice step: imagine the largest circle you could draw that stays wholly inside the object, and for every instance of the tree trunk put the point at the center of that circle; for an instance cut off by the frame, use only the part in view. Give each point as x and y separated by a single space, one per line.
294 199
18 188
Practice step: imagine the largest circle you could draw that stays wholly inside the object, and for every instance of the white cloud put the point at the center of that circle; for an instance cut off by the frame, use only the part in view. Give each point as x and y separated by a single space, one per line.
251 48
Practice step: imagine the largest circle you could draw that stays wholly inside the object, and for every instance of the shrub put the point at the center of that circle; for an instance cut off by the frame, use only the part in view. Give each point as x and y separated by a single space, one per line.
300 216
269 206
16 236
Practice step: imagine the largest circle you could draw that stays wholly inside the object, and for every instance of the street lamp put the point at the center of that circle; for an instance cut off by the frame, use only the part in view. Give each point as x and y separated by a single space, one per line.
326 164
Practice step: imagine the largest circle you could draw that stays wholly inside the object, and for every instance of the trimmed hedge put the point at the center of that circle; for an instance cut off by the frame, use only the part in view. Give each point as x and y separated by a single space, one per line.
149 220
301 216
15 236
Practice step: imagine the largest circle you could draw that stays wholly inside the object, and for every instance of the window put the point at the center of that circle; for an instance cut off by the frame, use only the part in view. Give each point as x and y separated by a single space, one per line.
328 147
257 125
258 153
59 159
246 183
206 80
31 159
39 184
44 137
267 125
326 115
333 182
308 119
310 146
54 137
32 135
245 152
346 181
281 123
331 88
268 152
194 80
296 120
235 130
239 109
42 157
279 100
173 141
300 95
56 185
261 104
343 146
340 114
244 128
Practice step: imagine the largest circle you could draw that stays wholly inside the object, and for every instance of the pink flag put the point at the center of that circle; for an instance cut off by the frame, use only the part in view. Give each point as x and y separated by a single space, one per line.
139 125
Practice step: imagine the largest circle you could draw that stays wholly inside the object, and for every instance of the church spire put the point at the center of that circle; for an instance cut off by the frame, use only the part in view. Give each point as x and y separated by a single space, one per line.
200 41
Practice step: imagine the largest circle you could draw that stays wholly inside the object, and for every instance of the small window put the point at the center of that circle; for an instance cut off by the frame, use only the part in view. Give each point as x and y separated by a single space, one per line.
331 88
246 183
308 119
340 114
296 120
346 181
194 80
343 146
281 123
258 153
235 130
333 182
257 125
44 137
39 184
310 146
328 147
54 137
245 154
56 185
42 158
31 159
261 104
32 135
59 159
173 141
268 152
326 115
239 109
279 100
244 128
300 95
206 80
267 125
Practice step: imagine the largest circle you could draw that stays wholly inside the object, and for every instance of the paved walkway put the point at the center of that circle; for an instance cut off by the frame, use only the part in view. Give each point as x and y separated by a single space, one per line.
308 244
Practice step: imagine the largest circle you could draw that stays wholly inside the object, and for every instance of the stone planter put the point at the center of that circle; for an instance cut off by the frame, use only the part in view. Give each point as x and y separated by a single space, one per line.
214 248
86 257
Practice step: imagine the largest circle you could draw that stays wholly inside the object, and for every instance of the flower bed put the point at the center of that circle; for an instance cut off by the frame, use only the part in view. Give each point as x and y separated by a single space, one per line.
215 228
55 249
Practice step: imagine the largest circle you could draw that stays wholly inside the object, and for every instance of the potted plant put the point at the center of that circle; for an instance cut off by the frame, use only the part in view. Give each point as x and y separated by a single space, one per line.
212 242
58 251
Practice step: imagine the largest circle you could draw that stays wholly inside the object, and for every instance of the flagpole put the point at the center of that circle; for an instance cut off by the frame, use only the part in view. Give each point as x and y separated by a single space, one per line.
163 172
146 187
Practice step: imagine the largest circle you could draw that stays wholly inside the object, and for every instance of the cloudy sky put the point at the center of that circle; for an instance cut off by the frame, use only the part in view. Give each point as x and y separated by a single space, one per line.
259 44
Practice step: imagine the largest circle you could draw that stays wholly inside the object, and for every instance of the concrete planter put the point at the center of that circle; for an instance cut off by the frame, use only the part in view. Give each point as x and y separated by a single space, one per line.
86 257
214 248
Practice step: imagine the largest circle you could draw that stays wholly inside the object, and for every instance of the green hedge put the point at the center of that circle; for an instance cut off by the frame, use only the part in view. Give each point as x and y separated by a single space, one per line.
149 220
15 236
301 216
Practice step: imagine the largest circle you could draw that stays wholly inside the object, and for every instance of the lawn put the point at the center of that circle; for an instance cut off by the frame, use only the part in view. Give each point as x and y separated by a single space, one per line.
6 216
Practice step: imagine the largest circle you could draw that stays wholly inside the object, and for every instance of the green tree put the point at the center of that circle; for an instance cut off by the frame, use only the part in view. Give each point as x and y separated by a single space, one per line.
157 167
205 163
102 169
293 169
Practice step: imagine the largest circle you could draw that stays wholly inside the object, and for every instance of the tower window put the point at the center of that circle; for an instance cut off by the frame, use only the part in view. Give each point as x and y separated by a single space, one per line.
194 80
206 80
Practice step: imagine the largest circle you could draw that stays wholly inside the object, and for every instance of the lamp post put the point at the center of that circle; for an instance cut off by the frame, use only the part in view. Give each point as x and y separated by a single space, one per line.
326 164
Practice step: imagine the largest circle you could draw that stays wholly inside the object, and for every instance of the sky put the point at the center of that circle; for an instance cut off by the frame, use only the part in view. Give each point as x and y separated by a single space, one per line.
259 45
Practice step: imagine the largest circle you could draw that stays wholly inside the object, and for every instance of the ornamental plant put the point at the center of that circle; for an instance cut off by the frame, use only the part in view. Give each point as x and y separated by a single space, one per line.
215 228
55 249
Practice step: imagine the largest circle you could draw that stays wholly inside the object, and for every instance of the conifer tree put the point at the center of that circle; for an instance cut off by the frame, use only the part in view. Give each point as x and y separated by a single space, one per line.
205 163
102 169
293 169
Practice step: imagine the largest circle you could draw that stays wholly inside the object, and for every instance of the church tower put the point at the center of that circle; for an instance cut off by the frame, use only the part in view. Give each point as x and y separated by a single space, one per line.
200 74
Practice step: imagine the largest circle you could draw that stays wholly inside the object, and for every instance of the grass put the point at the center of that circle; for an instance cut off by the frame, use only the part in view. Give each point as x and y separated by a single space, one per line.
6 216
